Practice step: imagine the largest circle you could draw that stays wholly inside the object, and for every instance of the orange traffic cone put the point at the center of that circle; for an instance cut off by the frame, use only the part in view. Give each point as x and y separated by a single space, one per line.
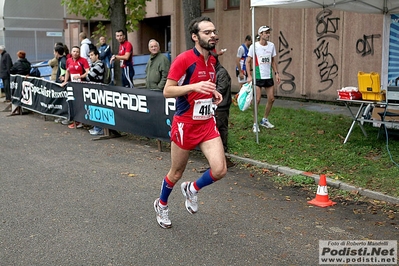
322 199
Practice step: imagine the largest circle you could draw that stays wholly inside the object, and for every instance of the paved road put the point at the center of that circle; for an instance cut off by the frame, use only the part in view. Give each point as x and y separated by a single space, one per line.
68 200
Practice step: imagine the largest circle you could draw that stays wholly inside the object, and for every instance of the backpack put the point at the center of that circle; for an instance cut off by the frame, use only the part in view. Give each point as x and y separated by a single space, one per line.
35 72
91 47
107 74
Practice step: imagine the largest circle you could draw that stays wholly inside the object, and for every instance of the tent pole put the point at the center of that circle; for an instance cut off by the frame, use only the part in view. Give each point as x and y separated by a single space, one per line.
254 75
385 52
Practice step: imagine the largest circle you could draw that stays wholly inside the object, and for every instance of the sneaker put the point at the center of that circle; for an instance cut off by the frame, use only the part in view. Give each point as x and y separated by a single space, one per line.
78 125
59 120
65 122
191 198
96 132
255 128
265 123
162 215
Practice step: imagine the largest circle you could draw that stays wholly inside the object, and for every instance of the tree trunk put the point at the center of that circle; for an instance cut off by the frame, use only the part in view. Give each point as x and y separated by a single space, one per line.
117 16
191 10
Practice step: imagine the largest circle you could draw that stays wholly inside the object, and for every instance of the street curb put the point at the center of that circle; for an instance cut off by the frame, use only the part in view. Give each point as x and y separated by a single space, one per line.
331 182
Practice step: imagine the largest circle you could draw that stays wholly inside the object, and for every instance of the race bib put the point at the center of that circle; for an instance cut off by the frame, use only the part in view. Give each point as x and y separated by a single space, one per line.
202 109
264 60
121 63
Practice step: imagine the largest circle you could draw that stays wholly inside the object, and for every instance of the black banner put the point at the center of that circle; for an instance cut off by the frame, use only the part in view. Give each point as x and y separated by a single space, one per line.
39 95
138 111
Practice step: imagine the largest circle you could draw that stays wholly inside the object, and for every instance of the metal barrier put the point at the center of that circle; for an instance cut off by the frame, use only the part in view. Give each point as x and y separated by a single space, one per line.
45 69
139 64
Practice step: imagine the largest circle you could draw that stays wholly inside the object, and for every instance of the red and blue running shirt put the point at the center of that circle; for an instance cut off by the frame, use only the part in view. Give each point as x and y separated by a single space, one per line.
188 68
76 67
126 47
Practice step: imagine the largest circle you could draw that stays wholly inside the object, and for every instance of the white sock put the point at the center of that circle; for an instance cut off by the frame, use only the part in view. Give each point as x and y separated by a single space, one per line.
161 205
192 188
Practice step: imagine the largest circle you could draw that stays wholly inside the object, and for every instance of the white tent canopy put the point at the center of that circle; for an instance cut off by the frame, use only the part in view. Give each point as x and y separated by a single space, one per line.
360 6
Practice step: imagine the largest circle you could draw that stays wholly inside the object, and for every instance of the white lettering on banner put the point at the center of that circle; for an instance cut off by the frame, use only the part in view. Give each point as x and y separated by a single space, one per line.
170 105
13 85
42 90
51 106
116 99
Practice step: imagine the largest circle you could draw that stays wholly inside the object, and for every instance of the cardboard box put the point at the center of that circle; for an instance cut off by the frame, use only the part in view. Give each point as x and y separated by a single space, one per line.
375 116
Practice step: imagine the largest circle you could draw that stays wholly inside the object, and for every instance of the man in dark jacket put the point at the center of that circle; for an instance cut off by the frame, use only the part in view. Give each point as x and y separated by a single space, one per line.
223 85
59 54
5 66
22 65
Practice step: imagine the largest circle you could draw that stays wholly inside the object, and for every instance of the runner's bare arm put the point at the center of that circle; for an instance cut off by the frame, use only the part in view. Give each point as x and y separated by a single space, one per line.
172 90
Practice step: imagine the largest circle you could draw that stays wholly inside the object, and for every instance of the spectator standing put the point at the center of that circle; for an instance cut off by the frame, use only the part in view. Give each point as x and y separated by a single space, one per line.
242 53
105 52
96 74
222 113
265 66
5 66
53 63
191 80
157 67
124 56
22 65
77 69
96 71
85 44
66 52
59 54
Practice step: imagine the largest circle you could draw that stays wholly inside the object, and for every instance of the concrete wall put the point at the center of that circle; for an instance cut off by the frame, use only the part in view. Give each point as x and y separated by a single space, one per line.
318 52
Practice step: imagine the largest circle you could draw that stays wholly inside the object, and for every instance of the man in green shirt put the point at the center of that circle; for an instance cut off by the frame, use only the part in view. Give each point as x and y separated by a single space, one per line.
157 67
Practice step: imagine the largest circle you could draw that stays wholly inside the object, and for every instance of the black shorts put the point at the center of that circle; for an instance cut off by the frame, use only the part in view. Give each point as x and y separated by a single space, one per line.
264 83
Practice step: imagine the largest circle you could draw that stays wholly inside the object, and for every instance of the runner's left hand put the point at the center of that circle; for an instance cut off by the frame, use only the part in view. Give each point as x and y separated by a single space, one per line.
217 98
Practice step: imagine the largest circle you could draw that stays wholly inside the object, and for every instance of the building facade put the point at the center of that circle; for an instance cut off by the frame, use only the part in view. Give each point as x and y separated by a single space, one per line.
318 50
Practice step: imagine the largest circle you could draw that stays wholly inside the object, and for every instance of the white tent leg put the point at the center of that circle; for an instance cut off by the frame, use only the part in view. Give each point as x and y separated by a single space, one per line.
254 76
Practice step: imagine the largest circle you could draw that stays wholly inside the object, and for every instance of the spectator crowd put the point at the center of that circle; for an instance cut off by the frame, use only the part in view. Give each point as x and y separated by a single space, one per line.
88 62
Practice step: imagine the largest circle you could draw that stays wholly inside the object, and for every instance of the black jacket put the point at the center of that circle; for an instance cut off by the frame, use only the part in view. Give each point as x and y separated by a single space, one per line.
21 66
5 65
223 86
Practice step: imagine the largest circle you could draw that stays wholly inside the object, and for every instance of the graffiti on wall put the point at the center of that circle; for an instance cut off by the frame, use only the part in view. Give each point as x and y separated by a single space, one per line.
365 46
326 31
287 83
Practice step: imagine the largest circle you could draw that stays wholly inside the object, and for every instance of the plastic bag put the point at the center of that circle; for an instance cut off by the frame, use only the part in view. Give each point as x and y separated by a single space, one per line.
245 96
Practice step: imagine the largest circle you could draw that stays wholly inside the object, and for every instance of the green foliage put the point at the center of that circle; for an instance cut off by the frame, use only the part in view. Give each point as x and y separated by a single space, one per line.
101 31
302 180
313 142
135 10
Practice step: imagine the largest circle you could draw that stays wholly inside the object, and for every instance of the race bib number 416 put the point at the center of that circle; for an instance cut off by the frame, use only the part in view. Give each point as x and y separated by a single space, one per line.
202 109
